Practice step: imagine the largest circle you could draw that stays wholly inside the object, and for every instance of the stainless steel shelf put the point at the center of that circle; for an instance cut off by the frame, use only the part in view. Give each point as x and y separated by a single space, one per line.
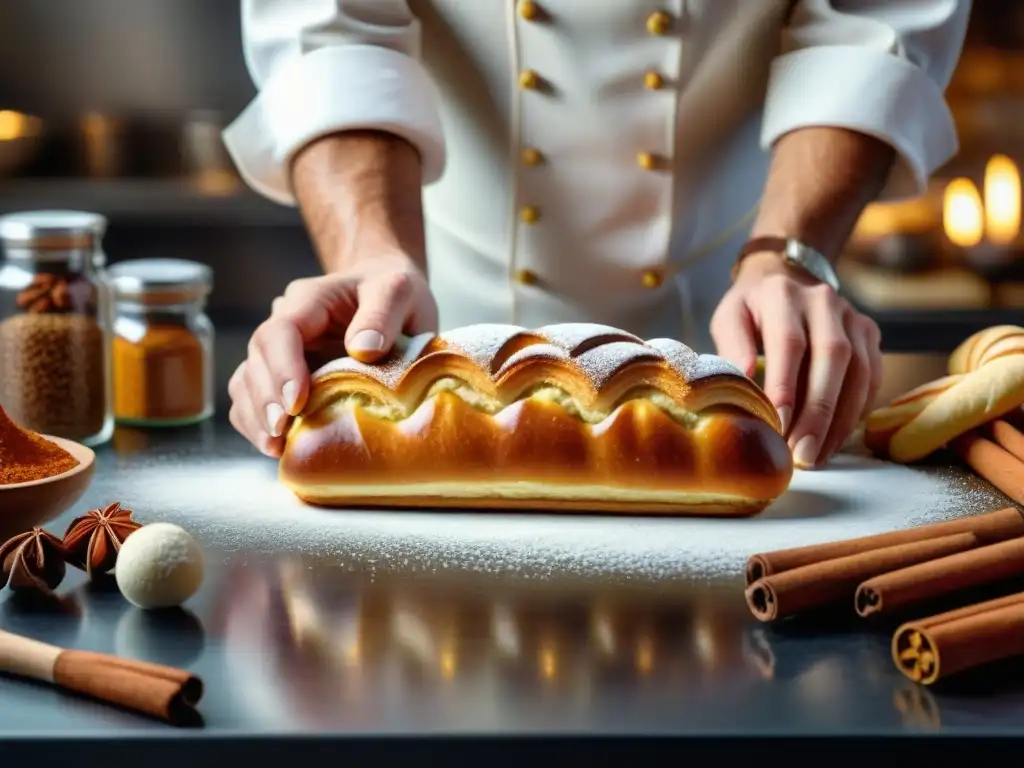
937 330
146 201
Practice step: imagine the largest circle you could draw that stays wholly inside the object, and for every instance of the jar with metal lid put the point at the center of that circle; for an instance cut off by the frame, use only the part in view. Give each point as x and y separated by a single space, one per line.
55 325
163 342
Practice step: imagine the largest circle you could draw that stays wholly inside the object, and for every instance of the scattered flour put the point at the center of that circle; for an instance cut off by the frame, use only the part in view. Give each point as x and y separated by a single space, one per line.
240 506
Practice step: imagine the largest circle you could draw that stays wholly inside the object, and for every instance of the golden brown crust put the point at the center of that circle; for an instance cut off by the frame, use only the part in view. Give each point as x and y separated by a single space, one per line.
985 381
633 426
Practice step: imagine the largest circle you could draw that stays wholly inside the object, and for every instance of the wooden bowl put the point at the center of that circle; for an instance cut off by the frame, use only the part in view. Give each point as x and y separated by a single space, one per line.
26 505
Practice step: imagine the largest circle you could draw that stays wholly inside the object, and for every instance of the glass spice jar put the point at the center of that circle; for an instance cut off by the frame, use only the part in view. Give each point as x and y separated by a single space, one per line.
55 325
163 342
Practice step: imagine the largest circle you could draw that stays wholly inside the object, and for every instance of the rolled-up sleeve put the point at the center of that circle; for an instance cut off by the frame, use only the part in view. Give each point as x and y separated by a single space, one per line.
878 67
325 66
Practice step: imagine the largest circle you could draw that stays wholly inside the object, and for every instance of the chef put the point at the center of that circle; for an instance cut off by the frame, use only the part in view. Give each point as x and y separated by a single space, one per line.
674 168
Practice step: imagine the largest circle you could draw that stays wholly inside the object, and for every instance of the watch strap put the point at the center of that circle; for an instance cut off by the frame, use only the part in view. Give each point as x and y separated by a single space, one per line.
782 247
764 244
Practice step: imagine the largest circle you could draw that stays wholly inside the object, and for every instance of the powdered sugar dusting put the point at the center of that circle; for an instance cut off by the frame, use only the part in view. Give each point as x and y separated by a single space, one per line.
711 365
239 506
603 362
389 372
570 336
482 343
689 365
676 354
534 351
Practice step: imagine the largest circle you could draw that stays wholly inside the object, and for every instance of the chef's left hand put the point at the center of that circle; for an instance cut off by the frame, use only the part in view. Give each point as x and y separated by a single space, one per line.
804 326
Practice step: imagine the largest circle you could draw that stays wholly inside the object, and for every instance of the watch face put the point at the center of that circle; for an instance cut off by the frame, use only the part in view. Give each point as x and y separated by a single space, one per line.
794 252
802 256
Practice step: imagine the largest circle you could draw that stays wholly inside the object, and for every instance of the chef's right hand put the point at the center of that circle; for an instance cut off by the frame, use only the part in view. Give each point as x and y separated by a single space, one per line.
368 306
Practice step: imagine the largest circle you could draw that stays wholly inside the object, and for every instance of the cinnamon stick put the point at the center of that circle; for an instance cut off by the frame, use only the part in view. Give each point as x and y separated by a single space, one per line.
992 463
818 584
989 528
163 692
938 646
926 581
1008 437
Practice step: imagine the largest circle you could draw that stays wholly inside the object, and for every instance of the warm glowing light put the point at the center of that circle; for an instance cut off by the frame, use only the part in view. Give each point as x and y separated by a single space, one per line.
905 217
963 214
95 125
353 654
548 663
645 655
448 664
1002 200
217 183
14 125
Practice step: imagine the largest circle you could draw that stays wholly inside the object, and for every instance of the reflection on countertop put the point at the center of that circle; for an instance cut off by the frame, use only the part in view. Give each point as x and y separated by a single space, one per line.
291 644
339 653
344 654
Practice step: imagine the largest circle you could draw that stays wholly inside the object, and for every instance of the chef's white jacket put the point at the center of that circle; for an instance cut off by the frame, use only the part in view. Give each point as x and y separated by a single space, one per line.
594 160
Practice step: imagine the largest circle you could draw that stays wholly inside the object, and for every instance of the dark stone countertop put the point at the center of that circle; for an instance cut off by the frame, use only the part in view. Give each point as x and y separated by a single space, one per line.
303 644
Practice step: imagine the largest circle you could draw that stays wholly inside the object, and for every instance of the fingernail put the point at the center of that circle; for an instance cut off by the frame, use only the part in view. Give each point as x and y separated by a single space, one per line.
290 395
806 452
785 413
275 414
367 341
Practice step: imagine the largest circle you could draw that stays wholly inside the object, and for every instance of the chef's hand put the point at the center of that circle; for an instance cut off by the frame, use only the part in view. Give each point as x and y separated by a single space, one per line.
805 329
367 306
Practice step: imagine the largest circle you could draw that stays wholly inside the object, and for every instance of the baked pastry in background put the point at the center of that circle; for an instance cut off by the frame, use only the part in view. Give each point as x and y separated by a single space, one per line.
571 417
985 381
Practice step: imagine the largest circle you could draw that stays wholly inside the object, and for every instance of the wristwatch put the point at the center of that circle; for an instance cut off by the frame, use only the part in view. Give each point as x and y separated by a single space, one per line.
794 253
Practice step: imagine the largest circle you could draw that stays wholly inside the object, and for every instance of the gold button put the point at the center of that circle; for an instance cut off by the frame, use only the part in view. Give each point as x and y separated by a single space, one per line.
647 161
528 79
528 10
659 23
653 81
651 279
529 214
526 277
532 156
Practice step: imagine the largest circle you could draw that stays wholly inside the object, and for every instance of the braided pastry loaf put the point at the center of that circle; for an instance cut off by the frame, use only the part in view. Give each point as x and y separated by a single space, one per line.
567 417
985 381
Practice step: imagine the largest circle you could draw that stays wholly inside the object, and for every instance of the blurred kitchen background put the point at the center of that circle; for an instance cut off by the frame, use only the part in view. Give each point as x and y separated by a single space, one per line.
116 106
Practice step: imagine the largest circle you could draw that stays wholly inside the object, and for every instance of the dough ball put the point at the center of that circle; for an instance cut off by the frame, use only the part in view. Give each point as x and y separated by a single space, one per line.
159 566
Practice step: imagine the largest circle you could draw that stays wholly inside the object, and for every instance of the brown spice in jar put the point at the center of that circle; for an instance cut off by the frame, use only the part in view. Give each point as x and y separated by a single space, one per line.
161 376
53 373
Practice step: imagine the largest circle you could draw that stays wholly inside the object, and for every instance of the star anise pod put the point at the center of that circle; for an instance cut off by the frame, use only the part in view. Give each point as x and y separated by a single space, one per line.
46 293
32 561
93 540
